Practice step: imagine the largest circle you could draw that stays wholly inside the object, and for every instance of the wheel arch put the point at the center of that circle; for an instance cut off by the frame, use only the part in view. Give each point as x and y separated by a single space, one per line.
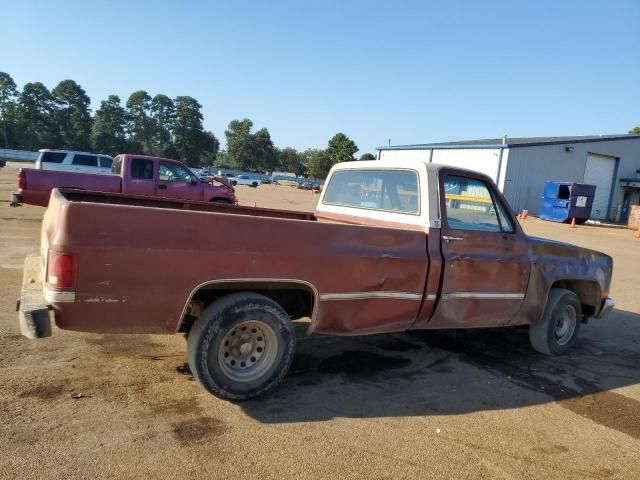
298 298
588 292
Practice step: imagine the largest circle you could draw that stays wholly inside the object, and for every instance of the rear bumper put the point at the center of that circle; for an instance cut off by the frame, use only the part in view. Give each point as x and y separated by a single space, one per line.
607 305
33 309
16 199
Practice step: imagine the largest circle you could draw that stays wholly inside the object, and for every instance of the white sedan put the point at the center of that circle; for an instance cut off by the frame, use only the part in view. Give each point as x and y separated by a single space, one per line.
247 180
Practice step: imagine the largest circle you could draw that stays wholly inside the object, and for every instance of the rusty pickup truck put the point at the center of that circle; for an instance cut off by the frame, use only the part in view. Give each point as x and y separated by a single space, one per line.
131 174
391 247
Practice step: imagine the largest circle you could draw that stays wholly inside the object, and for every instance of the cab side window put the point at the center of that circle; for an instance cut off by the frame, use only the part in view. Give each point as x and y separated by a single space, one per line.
174 172
142 169
85 160
471 206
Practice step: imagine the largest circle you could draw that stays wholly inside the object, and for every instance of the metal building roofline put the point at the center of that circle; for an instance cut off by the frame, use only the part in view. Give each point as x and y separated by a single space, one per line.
532 143
427 146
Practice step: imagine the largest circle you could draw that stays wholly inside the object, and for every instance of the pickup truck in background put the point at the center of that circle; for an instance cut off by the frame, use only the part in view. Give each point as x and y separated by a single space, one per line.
247 180
131 174
389 248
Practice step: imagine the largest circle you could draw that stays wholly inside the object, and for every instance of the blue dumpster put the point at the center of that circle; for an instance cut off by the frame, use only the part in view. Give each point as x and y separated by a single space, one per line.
563 201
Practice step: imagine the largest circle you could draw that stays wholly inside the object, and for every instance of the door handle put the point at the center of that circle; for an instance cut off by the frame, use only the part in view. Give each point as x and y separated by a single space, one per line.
162 187
447 238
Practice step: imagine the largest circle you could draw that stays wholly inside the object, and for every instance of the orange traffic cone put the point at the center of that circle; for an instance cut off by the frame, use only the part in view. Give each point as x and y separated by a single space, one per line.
573 222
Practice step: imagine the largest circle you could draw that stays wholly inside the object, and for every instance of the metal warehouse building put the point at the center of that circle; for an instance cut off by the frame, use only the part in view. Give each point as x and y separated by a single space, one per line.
520 166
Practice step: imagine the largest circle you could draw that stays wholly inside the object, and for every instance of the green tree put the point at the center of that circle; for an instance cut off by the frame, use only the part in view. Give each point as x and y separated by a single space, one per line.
190 140
367 156
139 123
108 132
341 148
240 144
292 161
8 105
36 115
163 115
635 131
264 153
320 162
72 114
211 147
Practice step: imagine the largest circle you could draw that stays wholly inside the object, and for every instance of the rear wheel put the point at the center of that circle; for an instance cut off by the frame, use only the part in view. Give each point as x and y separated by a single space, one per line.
241 346
558 329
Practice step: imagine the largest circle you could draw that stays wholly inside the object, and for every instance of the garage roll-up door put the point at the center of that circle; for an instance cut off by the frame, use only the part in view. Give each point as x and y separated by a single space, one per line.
599 171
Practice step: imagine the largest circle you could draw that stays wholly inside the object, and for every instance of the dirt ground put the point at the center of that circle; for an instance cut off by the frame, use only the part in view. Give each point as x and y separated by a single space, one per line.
474 404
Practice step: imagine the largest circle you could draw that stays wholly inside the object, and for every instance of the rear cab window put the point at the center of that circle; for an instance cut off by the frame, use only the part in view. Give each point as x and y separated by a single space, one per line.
384 189
116 166
470 205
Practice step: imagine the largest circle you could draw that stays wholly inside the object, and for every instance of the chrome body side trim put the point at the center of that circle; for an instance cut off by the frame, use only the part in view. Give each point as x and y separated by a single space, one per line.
484 295
370 295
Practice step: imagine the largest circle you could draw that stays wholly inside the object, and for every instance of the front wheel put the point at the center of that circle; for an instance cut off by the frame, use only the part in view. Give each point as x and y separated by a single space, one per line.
241 346
558 329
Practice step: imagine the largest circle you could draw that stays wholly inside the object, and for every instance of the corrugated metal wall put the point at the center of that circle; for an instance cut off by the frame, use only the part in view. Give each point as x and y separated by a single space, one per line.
530 167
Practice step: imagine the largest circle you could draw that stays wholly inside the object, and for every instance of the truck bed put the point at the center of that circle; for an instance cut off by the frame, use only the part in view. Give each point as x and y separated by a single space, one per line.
139 260
39 184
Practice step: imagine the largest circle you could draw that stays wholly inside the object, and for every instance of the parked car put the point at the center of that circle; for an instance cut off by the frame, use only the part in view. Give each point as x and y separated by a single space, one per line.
131 174
2 162
71 161
232 178
247 180
390 248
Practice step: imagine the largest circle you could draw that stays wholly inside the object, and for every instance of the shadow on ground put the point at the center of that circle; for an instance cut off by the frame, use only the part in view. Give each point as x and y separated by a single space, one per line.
455 372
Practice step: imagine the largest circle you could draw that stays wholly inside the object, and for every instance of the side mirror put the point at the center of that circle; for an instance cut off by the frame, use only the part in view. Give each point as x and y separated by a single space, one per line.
194 181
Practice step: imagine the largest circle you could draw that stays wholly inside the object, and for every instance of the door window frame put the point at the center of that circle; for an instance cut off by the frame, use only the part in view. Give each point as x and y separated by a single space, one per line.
496 197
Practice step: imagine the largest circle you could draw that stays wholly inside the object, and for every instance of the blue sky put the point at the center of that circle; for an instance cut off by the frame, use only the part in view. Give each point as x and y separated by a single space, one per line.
411 72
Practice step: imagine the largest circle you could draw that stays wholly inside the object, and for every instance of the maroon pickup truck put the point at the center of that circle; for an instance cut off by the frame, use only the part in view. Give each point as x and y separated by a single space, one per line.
389 248
132 174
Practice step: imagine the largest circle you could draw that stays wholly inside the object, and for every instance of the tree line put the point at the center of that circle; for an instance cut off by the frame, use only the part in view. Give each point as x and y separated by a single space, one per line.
37 118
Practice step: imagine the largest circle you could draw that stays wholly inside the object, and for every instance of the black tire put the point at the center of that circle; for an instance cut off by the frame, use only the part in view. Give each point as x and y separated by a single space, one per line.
213 346
558 329
222 201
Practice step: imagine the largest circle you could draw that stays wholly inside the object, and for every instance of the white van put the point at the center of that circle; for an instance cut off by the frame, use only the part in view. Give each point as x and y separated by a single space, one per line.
70 161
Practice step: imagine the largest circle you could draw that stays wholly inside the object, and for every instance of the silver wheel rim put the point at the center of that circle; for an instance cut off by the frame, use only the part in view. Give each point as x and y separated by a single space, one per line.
247 351
566 325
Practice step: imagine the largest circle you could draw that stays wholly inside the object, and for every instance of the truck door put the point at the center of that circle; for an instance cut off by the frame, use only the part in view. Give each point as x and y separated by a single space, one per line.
485 254
140 178
176 181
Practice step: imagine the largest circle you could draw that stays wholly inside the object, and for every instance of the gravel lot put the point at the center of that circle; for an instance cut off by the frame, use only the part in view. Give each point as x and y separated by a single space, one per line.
468 404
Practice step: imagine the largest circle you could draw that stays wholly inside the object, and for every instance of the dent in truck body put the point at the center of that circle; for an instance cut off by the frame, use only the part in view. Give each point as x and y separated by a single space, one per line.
131 247
555 262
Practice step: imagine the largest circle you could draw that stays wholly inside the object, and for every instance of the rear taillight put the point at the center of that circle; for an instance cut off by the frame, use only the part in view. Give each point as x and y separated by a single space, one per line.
22 179
61 270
